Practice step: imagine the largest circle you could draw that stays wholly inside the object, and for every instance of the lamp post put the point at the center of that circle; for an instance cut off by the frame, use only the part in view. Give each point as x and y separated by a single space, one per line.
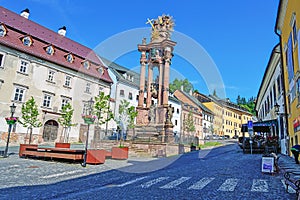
88 119
12 111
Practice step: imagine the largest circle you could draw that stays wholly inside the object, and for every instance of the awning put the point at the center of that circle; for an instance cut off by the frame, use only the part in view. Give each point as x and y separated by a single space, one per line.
263 126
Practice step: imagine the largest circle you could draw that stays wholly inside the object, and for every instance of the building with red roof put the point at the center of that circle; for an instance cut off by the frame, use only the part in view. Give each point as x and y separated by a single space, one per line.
55 70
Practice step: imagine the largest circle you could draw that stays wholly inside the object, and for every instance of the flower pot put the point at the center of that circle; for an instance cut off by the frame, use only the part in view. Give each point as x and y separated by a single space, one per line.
120 153
95 156
62 145
11 120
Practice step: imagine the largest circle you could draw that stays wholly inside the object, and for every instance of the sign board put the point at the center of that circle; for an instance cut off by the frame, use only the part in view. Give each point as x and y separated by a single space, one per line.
250 127
250 124
267 164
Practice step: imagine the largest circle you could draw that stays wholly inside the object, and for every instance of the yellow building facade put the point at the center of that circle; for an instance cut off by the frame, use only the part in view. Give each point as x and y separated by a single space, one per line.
228 117
287 27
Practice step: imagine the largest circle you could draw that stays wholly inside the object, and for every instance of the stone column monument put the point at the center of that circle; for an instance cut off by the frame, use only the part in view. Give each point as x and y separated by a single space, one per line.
154 113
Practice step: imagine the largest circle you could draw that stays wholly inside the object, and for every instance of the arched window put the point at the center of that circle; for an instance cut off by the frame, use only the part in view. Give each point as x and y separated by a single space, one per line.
50 50
27 41
3 30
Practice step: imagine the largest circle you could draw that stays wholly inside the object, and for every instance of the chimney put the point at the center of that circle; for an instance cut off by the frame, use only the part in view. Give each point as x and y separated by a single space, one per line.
62 31
25 13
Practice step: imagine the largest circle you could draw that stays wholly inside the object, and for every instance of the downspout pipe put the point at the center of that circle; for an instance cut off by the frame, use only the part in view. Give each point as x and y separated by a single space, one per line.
282 69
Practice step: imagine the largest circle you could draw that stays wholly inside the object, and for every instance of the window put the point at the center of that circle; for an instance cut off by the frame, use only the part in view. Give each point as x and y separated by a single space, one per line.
294 33
101 70
23 66
47 100
289 59
86 64
3 30
51 76
130 96
50 50
122 93
27 41
1 60
19 94
68 81
278 85
88 88
70 58
64 102
274 93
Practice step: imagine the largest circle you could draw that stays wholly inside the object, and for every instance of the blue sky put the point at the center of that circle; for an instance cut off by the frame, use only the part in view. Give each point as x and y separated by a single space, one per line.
236 36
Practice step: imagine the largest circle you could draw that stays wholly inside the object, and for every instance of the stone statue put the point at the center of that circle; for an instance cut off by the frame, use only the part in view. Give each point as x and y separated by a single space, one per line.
169 114
151 115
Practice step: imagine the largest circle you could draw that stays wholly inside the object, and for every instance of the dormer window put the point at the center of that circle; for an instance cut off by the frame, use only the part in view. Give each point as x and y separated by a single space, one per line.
3 30
86 64
101 70
49 50
27 41
70 58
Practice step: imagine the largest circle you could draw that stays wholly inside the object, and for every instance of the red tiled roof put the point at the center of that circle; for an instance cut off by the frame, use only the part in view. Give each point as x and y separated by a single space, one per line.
19 26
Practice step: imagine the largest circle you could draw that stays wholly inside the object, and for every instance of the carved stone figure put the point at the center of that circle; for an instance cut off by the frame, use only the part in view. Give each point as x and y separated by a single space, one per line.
151 115
161 27
169 114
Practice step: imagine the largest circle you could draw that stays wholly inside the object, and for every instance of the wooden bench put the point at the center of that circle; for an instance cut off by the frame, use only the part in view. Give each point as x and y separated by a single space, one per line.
292 179
63 153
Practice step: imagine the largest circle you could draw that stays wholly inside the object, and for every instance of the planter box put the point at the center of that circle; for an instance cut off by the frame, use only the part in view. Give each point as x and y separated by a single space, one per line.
62 145
23 147
120 153
95 156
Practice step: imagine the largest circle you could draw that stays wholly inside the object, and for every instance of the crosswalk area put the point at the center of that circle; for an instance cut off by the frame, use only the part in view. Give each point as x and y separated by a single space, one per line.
224 185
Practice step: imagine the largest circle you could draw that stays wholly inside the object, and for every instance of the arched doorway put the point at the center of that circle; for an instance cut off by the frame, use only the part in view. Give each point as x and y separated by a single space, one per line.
50 131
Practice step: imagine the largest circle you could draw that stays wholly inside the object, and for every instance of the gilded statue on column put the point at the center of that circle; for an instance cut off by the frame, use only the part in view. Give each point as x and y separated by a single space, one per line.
162 27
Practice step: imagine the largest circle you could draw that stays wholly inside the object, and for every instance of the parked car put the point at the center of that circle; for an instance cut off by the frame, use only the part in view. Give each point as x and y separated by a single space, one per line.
208 137
235 137
226 136
117 136
215 137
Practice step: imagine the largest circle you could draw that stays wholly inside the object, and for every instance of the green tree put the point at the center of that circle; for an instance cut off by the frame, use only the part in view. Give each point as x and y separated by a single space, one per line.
29 118
66 122
179 84
248 105
102 112
188 124
127 115
215 93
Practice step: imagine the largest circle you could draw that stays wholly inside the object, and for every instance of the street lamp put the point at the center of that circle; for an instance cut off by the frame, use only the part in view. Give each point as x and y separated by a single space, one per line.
88 119
12 111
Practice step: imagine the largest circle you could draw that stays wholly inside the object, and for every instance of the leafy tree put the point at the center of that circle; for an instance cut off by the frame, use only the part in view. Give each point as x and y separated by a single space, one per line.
29 118
215 93
188 124
66 121
248 105
127 114
102 111
178 84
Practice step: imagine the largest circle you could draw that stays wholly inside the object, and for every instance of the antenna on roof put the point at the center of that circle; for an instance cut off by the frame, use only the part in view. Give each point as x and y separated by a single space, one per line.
62 31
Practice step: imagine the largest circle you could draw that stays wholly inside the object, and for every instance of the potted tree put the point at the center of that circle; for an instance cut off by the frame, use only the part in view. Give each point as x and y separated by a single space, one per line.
29 120
66 122
127 115
102 114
